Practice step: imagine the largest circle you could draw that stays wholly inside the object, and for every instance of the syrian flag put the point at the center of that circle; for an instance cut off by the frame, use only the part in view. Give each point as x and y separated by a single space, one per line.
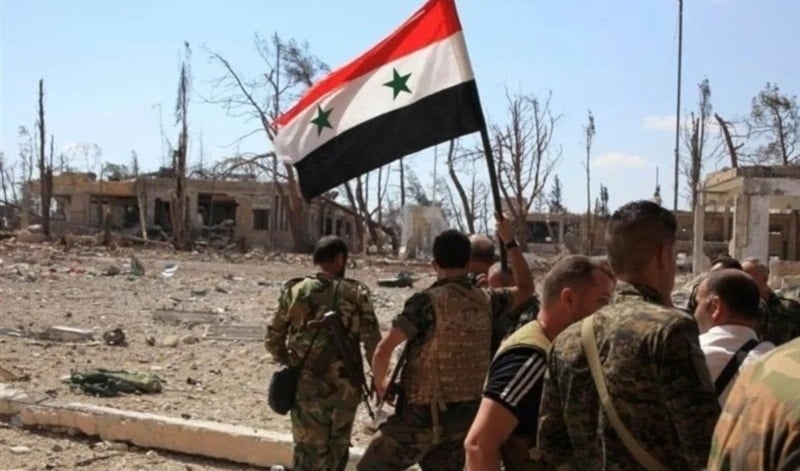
413 90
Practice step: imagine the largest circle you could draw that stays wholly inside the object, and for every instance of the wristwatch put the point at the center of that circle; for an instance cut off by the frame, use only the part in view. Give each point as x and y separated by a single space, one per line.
512 245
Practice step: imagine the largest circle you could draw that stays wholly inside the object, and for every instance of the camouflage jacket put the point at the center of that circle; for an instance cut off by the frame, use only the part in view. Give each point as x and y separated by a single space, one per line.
656 375
759 427
783 321
306 299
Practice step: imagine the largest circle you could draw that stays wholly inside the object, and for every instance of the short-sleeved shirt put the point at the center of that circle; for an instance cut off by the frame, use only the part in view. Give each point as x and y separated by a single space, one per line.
515 382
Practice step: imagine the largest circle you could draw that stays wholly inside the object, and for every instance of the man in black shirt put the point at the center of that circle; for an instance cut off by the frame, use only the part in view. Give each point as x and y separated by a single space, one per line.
505 426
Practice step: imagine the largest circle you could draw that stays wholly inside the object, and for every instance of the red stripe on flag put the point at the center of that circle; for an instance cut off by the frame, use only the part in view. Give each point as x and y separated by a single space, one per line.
436 20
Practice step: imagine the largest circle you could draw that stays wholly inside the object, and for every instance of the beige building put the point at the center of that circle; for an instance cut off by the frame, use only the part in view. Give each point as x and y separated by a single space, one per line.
253 213
749 212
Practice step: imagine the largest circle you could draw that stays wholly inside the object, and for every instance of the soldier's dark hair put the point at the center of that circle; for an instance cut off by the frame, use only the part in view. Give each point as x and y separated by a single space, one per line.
736 289
451 249
634 234
570 272
327 248
726 261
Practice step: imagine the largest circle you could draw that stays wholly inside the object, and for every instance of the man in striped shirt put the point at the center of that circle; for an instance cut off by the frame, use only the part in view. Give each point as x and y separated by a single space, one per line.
505 426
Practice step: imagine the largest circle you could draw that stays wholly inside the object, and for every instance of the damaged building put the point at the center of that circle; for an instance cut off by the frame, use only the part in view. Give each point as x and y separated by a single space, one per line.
243 211
748 212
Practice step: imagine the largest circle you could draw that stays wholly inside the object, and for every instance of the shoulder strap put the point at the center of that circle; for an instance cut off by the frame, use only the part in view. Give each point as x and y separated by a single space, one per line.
589 343
732 367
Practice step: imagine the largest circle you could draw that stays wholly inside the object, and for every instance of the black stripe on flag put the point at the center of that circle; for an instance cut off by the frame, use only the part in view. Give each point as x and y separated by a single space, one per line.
442 116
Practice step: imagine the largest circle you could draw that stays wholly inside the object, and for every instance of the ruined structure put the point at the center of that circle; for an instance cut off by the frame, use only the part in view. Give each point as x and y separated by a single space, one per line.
759 207
748 212
244 211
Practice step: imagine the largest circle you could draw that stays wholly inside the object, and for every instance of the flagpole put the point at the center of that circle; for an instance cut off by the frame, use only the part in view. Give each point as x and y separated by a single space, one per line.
498 208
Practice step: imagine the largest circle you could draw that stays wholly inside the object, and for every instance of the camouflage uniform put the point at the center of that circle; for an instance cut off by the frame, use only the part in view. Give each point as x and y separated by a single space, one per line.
433 434
656 375
783 322
326 402
759 427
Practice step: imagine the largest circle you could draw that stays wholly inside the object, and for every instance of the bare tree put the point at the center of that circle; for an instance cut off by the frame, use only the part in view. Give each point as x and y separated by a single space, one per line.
555 202
731 138
289 67
45 185
525 155
588 134
775 121
141 194
695 140
601 203
4 182
458 160
181 221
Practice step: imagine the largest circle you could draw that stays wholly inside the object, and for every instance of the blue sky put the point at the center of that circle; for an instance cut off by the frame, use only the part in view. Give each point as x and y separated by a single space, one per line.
108 64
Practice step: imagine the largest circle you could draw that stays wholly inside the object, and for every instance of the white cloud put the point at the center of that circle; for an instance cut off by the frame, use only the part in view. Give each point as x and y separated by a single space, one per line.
659 123
667 122
618 160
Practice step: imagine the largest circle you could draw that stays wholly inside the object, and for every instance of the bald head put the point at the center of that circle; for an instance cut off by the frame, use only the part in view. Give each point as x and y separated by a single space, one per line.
726 296
481 253
760 274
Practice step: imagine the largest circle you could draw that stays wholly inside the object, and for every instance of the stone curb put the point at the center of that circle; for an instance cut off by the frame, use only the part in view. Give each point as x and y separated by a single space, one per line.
237 443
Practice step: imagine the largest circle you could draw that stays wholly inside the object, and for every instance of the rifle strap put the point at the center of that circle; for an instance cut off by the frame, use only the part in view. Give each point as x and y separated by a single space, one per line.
645 459
335 304
732 367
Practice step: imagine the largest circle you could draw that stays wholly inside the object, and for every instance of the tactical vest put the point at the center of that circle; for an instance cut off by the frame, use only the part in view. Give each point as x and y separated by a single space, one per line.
518 451
452 364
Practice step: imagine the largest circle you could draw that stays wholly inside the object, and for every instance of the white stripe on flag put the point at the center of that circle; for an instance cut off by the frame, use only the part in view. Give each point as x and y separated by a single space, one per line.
433 69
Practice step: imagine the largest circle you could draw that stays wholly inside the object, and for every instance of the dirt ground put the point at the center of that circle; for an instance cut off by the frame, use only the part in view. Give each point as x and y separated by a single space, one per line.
218 380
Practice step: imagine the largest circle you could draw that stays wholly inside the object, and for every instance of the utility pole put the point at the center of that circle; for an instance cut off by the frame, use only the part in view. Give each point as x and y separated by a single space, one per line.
678 105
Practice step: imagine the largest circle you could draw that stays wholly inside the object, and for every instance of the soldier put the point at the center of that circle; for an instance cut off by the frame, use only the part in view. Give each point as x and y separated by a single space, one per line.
727 313
481 258
524 313
326 401
720 263
506 423
448 331
649 361
759 427
783 315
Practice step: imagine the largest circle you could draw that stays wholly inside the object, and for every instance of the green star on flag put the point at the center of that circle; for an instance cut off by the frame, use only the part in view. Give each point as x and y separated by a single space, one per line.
322 121
399 83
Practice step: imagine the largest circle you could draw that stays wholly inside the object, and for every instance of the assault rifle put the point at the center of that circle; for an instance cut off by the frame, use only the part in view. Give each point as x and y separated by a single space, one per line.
393 390
352 360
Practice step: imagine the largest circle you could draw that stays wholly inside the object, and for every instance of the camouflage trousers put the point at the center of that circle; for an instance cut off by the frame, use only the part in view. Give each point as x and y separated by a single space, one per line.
407 438
322 421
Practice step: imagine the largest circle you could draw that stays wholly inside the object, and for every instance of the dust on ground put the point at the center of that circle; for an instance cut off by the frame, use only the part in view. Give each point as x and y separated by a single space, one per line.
93 288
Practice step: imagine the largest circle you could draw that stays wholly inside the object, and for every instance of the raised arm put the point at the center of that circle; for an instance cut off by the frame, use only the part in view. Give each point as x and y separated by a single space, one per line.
523 279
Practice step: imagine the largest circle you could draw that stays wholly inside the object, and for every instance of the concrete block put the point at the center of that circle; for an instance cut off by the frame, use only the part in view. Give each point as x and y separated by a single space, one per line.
784 268
235 443
252 333
187 317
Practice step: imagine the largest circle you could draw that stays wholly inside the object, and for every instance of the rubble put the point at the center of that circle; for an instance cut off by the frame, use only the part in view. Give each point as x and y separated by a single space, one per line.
65 334
187 317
